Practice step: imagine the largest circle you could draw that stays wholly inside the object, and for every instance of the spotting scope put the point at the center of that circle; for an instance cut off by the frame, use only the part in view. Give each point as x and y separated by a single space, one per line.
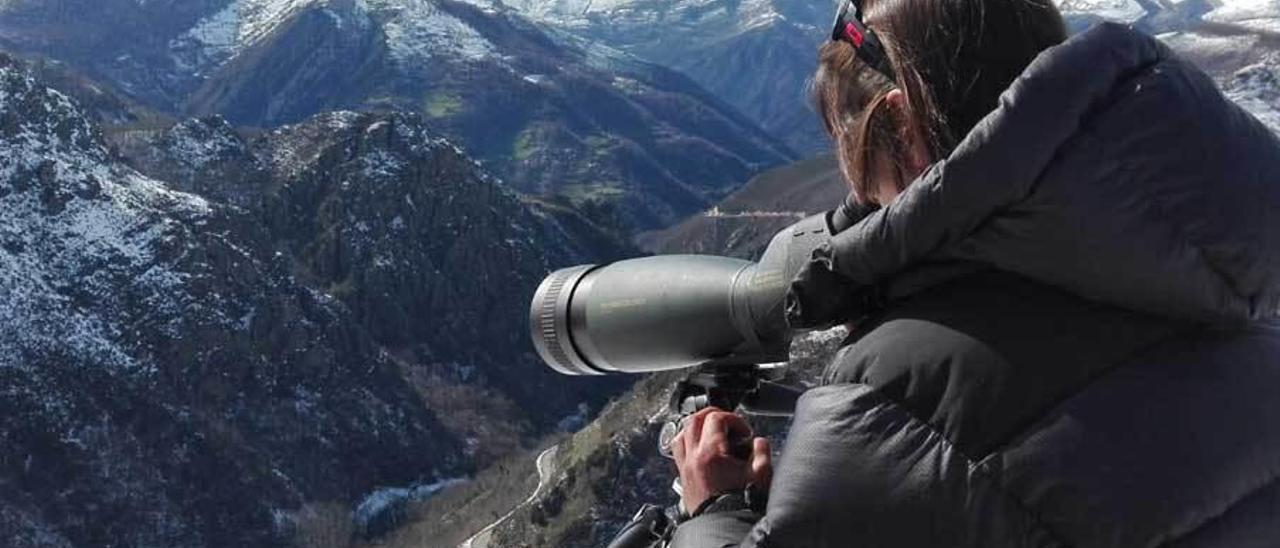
674 311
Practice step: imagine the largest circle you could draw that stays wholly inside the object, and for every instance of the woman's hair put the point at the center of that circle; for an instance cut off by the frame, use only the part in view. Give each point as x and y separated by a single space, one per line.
952 58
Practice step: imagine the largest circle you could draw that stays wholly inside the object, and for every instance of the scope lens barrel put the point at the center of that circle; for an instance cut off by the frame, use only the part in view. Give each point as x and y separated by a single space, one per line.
638 315
672 311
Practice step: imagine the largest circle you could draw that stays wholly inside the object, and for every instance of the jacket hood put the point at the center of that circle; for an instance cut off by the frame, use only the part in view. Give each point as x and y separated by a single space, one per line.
1112 169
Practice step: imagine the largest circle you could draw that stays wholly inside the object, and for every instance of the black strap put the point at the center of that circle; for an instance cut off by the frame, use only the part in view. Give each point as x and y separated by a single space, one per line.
651 527
749 498
820 297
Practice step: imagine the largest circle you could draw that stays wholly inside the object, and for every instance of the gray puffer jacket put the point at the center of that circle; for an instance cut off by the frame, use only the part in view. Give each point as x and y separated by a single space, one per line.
1105 371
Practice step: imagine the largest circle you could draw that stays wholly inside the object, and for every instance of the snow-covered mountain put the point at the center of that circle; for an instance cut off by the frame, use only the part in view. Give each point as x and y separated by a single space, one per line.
415 31
322 329
753 54
429 252
551 114
165 378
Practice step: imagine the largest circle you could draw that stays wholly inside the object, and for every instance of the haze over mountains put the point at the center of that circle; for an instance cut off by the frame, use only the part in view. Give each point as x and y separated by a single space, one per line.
265 264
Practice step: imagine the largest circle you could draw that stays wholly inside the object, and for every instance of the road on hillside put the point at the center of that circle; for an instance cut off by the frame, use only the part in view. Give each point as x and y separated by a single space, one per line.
546 470
715 212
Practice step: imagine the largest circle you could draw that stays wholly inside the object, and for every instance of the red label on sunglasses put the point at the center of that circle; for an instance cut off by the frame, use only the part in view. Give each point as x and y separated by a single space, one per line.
854 35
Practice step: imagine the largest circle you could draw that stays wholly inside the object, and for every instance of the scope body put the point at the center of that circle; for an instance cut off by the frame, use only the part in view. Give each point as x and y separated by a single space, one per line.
672 311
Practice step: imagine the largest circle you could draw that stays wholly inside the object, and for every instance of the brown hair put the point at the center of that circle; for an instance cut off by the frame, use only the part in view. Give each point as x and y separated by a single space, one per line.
952 58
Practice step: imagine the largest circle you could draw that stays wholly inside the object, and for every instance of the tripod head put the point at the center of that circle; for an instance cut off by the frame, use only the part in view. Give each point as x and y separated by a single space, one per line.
749 389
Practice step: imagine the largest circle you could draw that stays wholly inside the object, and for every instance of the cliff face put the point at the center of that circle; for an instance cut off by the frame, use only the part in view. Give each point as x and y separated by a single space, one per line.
168 381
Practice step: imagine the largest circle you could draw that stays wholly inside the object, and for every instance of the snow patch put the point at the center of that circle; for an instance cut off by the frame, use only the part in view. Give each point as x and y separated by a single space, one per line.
380 165
196 145
1263 15
1208 45
241 24
825 337
575 421
418 30
377 505
1257 89
213 40
1124 11
76 228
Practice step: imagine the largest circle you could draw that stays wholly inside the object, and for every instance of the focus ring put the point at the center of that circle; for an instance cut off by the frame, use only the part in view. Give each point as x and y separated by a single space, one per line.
549 321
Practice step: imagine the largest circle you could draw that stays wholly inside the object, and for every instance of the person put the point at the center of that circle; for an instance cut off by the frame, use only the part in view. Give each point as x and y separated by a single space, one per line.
1077 252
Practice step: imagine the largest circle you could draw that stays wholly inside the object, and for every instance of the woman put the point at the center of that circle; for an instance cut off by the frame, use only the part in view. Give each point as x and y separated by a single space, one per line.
1079 248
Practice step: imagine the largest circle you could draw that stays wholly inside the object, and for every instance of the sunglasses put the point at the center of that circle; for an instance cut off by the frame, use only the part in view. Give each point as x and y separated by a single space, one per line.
850 28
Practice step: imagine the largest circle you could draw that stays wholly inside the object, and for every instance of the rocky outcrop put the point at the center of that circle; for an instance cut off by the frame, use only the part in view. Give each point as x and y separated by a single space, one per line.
205 156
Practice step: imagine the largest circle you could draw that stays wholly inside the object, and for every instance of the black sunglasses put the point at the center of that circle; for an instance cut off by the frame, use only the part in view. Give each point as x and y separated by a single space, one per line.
850 28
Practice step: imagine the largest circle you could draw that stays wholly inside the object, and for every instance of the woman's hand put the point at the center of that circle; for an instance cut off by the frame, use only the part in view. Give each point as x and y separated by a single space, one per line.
705 457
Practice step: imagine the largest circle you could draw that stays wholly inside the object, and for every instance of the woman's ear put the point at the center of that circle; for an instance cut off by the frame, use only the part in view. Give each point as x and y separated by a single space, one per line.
917 153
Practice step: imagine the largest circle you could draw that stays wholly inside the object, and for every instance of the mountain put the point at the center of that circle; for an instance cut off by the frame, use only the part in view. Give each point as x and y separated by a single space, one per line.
754 54
549 113
307 328
204 156
167 380
430 253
